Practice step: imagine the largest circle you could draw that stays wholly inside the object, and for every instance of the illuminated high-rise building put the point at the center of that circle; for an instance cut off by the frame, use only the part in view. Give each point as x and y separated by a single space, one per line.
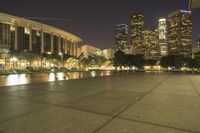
179 34
136 31
198 43
162 36
152 49
121 37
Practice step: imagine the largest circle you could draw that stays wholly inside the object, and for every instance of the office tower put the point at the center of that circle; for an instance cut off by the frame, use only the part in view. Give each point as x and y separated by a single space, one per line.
152 49
179 32
136 31
198 43
162 36
121 37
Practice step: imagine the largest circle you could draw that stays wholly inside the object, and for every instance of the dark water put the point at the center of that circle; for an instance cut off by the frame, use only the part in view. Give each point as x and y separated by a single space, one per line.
18 79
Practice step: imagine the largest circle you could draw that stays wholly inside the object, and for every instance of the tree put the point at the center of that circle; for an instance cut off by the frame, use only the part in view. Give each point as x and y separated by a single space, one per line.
29 56
150 62
120 58
92 61
139 61
172 61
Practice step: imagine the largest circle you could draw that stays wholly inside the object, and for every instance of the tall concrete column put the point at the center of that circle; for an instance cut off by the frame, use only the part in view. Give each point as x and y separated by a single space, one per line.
42 42
52 43
30 40
71 47
76 49
65 44
59 44
74 44
16 38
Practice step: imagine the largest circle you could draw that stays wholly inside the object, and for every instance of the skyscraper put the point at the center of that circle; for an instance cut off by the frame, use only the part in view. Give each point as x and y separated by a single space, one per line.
136 31
152 49
198 43
121 37
162 36
179 32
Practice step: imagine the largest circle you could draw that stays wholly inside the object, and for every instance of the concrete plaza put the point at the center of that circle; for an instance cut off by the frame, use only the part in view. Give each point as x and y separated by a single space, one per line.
132 103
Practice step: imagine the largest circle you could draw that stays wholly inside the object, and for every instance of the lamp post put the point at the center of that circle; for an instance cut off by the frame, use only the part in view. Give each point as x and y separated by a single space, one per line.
14 59
61 54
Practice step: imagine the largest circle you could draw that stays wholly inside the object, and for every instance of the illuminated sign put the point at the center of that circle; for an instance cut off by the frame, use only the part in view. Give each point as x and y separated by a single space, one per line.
185 11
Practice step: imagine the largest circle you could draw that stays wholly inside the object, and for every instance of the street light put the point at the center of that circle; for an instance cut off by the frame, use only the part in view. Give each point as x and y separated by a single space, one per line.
14 59
61 54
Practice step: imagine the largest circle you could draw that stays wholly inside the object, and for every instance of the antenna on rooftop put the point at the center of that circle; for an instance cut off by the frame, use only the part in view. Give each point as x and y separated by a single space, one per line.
43 18
190 5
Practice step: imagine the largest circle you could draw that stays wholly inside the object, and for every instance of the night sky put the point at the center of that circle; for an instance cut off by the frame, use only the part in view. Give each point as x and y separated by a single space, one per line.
94 20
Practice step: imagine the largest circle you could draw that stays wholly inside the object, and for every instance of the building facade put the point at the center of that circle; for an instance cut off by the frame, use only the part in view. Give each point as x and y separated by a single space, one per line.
121 37
162 36
152 49
136 32
179 34
21 35
88 50
108 53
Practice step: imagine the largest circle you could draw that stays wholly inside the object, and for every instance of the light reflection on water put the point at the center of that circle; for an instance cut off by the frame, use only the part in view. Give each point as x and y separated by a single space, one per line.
18 79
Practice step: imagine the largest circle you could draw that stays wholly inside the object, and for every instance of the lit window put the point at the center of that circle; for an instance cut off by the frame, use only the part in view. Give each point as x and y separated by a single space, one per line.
27 31
38 33
12 28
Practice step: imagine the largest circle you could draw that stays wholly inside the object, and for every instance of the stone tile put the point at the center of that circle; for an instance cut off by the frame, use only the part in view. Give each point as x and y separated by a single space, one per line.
56 98
6 97
105 103
175 91
173 116
28 93
133 88
127 126
174 100
18 107
55 120
119 94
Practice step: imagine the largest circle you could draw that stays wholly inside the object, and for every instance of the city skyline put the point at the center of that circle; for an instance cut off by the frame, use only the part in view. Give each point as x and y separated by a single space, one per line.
96 27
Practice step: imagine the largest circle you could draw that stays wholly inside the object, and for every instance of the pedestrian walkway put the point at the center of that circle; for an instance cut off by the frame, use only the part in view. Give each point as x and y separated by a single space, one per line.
132 103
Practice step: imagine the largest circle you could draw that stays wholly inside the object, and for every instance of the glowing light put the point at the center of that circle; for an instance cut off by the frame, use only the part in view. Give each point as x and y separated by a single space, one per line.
60 76
52 77
147 67
185 11
14 59
16 79
22 64
162 20
93 73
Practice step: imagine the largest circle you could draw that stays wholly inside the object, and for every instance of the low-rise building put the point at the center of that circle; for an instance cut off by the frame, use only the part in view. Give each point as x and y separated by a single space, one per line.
108 53
88 50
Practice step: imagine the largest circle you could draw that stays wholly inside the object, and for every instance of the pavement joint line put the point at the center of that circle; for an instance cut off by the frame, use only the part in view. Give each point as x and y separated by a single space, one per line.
131 105
156 124
66 106
193 86
25 114
160 93
104 114
71 107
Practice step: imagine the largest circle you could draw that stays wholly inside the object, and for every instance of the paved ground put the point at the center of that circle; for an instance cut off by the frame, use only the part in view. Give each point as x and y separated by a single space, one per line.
134 103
